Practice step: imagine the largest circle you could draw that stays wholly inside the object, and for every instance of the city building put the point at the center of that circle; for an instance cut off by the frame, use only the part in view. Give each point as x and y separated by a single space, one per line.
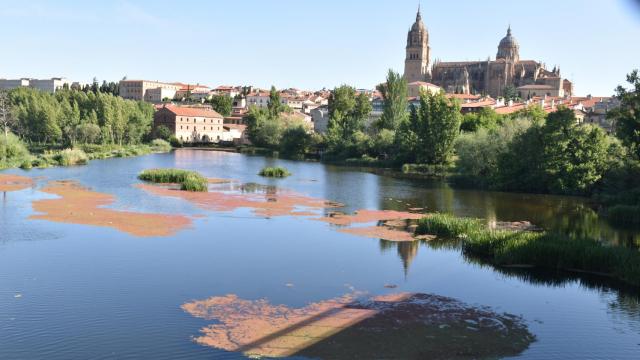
190 124
491 77
139 90
48 85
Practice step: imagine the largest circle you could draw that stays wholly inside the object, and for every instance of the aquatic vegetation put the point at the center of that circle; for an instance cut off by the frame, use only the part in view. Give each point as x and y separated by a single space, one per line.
624 214
9 182
188 180
544 249
402 325
79 205
68 157
160 145
278 172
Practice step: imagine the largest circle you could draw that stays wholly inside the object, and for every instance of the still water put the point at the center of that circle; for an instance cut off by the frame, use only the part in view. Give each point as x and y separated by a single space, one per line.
73 291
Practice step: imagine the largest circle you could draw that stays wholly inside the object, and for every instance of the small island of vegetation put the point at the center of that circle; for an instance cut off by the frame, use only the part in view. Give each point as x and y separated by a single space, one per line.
278 172
188 180
542 249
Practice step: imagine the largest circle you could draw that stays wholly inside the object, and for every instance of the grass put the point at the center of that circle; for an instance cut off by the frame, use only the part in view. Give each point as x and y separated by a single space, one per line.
278 172
69 157
188 180
543 249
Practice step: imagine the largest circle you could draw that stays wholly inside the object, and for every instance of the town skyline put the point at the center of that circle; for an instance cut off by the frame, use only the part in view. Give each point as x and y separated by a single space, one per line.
301 51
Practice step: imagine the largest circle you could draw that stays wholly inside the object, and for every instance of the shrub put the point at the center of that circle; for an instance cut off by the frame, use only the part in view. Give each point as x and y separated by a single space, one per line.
13 152
160 145
188 180
437 170
278 172
175 142
68 157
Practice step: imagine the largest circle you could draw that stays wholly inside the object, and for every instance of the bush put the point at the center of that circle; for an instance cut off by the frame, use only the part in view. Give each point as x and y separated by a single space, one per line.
188 180
159 145
426 169
502 247
278 172
13 152
68 157
175 142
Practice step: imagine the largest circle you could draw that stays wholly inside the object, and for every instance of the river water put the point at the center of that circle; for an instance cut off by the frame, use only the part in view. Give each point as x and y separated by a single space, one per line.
74 291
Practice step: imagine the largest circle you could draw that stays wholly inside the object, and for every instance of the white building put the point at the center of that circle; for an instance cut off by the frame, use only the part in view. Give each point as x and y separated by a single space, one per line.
320 117
48 85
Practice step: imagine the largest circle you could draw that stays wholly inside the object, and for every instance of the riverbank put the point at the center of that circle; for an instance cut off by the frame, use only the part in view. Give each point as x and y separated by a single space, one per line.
38 156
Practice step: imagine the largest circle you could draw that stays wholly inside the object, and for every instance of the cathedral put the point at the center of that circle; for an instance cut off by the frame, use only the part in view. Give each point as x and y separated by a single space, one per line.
506 74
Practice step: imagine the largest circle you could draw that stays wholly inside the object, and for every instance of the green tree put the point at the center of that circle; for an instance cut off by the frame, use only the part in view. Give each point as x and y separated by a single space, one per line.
222 104
627 116
485 118
7 120
509 93
394 93
163 132
275 105
436 124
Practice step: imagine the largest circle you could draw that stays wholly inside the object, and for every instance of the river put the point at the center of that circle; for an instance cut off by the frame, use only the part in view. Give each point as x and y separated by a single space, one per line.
72 290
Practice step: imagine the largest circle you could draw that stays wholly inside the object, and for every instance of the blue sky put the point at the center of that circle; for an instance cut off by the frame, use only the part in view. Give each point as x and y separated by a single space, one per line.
308 44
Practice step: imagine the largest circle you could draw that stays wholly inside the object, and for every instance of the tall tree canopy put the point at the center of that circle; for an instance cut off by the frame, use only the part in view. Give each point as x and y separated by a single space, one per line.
394 93
627 116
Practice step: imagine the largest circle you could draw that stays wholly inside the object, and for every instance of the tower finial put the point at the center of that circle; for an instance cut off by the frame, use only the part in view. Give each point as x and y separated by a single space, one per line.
418 15
509 30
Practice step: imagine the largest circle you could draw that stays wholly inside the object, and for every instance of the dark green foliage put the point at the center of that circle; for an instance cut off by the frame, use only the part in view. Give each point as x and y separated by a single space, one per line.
557 156
188 180
429 134
278 172
222 104
163 132
348 112
502 247
297 141
63 118
394 93
486 118
627 116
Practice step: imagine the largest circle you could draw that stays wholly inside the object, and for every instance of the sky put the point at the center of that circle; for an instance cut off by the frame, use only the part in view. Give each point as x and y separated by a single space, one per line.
308 44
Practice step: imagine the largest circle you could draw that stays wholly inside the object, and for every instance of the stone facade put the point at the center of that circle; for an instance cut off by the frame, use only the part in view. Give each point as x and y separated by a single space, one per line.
489 77
190 124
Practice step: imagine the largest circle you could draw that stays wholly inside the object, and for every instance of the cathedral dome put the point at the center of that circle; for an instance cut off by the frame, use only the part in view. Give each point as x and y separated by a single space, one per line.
509 49
508 41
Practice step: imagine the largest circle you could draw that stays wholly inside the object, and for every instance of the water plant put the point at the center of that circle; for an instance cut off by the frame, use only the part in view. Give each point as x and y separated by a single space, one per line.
68 157
188 180
277 171
543 249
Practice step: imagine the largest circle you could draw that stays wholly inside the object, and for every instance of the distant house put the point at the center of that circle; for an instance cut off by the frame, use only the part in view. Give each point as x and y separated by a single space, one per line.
320 118
190 124
236 133
47 85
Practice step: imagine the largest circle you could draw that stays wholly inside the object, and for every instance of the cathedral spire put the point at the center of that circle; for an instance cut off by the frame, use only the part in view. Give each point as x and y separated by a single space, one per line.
418 15
509 30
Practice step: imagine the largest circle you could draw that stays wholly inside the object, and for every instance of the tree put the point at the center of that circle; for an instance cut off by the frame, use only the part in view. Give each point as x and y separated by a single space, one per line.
347 115
163 132
436 124
394 93
222 104
509 93
627 116
485 118
7 119
275 106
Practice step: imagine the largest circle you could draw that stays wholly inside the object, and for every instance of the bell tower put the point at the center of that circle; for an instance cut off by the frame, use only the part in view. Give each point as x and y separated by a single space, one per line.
418 53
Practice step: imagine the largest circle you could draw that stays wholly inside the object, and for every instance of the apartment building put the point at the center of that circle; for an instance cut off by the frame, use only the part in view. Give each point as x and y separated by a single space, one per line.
190 124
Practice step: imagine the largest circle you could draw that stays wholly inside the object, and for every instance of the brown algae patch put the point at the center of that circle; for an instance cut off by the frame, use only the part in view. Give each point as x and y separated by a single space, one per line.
401 325
380 232
79 205
10 182
268 204
364 216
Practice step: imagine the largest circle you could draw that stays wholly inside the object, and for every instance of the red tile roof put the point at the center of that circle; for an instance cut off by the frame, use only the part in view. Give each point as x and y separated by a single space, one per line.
192 111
